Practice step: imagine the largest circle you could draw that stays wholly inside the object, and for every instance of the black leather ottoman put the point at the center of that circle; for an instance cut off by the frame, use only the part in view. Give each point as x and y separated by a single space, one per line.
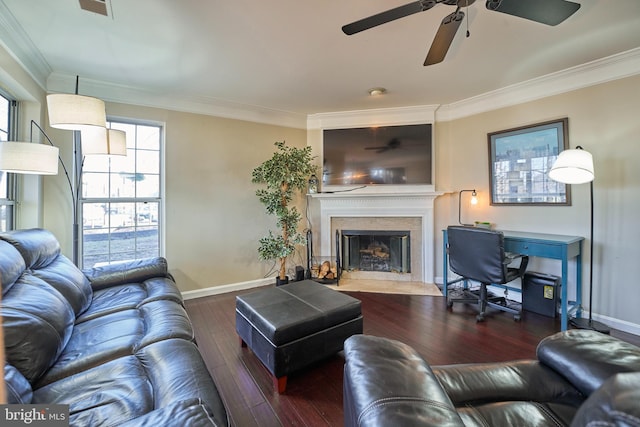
292 326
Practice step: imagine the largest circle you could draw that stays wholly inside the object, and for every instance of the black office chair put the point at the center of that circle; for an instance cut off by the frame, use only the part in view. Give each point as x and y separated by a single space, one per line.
478 254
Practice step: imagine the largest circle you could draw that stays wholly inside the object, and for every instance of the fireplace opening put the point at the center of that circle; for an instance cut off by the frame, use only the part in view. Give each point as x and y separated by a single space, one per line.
376 250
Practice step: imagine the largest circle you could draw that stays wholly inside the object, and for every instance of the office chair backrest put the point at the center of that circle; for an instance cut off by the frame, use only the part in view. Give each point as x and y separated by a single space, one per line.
477 254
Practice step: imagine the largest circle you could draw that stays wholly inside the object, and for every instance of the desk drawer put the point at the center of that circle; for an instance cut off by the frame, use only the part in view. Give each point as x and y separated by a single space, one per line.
533 248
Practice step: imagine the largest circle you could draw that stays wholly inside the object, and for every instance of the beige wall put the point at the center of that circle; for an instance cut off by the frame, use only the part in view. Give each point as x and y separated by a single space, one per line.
213 217
602 119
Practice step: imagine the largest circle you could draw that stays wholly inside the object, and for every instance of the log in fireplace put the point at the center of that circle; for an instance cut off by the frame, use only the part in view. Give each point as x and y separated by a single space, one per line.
376 250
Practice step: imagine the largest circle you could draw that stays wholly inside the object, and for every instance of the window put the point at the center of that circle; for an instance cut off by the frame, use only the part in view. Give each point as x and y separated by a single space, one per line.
7 182
121 199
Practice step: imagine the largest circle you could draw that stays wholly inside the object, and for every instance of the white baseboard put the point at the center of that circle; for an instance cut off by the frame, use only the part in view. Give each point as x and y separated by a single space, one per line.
621 325
223 289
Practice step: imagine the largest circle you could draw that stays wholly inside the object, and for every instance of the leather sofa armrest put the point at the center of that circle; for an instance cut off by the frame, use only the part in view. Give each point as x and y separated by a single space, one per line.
127 272
191 412
387 383
588 358
613 404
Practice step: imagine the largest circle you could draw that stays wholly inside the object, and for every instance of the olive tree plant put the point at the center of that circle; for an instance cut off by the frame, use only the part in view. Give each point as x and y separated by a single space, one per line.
284 174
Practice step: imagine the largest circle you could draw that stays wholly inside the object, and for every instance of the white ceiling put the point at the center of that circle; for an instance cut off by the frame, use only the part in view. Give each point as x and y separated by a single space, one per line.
291 56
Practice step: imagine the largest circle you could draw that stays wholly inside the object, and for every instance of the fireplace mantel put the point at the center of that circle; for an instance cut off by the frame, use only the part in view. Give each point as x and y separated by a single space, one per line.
380 204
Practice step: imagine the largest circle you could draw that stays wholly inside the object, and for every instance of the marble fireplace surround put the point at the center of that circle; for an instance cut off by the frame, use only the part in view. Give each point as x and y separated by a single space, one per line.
382 211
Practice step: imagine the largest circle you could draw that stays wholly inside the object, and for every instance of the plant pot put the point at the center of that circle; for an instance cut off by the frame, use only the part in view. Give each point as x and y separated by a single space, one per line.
280 282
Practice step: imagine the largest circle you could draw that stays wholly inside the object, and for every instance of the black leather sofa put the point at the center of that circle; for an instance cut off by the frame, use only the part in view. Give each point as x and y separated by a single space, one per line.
114 343
580 378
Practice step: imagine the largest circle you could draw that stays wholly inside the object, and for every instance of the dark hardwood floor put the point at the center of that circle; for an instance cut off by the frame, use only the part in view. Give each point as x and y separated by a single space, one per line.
314 396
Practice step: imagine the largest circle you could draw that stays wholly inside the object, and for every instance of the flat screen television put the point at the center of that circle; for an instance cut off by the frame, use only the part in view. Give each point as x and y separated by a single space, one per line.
384 155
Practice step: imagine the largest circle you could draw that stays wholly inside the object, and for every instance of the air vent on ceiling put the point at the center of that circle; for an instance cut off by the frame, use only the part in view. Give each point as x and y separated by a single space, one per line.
96 6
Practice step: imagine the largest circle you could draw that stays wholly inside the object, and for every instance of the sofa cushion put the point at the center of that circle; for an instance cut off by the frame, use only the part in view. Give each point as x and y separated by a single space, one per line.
38 247
516 414
38 322
583 357
157 376
192 413
42 257
525 380
18 388
11 265
69 281
130 296
119 334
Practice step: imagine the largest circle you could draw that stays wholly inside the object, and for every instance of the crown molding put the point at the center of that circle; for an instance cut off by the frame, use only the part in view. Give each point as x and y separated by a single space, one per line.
14 39
111 92
603 70
379 117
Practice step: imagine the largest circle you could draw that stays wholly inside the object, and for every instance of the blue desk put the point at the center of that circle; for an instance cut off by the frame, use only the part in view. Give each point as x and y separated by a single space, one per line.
542 245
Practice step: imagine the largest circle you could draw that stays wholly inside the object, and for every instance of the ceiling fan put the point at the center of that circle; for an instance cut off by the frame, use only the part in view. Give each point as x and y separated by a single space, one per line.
550 12
391 145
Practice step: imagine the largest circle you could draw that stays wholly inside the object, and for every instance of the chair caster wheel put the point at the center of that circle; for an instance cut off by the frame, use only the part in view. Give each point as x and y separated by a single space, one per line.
449 304
517 318
479 318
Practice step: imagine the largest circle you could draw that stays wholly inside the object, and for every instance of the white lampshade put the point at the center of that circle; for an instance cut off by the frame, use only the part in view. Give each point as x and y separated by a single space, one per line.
28 158
573 167
75 112
104 141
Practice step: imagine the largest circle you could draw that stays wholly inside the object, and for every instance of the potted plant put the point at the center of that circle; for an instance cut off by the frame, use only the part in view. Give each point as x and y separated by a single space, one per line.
284 174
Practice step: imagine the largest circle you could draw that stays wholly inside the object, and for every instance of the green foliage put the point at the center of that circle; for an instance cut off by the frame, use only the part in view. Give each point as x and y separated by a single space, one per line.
284 174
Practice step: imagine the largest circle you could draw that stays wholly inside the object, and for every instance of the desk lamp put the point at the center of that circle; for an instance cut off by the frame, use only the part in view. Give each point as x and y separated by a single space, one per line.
474 201
576 167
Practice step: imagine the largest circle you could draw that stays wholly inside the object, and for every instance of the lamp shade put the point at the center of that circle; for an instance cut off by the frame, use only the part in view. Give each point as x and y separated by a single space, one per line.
104 141
75 112
573 167
28 158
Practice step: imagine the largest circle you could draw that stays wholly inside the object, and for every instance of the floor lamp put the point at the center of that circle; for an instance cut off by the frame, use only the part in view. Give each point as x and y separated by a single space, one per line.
576 167
71 112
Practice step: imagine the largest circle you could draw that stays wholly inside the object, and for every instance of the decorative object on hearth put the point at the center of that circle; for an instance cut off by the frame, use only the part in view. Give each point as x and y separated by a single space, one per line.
576 167
473 201
550 12
284 174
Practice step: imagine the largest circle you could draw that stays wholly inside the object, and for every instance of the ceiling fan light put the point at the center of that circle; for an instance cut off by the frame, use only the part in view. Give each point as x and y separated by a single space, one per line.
76 112
28 158
377 91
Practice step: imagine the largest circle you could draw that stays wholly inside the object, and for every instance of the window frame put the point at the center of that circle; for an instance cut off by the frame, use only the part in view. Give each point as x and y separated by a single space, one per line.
9 202
160 199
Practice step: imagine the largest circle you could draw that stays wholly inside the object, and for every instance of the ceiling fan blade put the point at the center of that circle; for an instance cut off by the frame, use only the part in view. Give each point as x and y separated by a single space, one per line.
446 32
388 16
550 12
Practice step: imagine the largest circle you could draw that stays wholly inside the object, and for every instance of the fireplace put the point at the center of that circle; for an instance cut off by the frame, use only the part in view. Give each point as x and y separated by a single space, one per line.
376 250
372 209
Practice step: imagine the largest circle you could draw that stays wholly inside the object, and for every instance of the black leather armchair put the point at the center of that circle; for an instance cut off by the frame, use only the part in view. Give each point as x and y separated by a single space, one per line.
478 254
580 378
